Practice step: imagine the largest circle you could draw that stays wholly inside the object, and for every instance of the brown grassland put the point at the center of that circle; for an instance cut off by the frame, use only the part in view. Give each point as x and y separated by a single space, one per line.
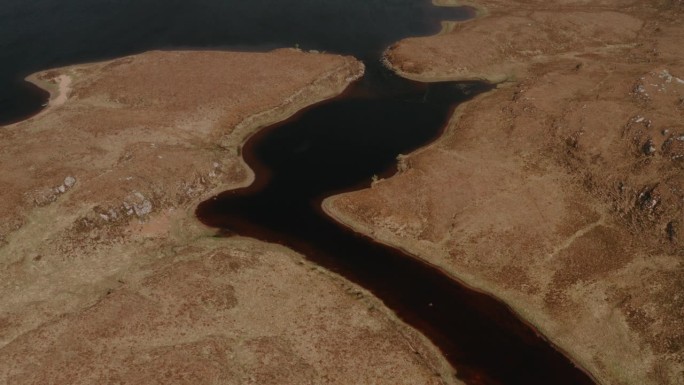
106 277
560 192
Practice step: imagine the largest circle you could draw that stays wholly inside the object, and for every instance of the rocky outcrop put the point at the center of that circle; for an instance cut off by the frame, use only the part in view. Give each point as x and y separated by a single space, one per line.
106 276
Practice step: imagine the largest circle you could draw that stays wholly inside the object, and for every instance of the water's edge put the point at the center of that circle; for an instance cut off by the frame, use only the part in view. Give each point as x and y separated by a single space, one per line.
206 213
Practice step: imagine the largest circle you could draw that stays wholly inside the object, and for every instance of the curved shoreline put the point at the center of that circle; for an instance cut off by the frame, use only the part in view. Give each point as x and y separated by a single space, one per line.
467 281
95 256
498 79
242 212
632 358
235 139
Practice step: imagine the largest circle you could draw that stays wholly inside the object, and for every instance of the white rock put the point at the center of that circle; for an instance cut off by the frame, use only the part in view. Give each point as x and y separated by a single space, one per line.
61 189
69 181
143 209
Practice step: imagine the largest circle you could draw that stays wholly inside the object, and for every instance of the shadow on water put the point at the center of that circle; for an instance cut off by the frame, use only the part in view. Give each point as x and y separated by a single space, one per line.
331 147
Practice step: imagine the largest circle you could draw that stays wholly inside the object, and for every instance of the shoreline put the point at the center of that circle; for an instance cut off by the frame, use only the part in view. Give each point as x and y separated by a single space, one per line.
469 282
265 119
165 236
510 76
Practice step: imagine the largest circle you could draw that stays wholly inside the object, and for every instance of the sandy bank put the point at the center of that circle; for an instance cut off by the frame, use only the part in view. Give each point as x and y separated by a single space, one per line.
559 192
107 277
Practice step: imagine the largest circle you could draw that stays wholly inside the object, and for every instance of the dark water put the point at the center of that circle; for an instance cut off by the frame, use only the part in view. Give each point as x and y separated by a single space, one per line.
340 144
41 34
334 146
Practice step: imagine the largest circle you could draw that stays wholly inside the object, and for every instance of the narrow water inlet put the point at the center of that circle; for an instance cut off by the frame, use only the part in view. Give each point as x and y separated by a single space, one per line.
339 145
